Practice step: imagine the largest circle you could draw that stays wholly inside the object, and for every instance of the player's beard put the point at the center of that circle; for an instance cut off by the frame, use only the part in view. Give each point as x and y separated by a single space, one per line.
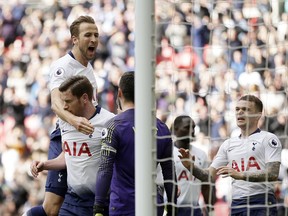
87 54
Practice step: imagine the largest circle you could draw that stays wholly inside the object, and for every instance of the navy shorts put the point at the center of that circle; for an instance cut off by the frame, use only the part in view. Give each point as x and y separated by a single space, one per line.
255 205
56 181
74 205
187 211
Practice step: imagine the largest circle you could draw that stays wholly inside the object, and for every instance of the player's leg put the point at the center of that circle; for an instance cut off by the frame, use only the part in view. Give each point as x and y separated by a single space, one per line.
160 200
51 205
38 210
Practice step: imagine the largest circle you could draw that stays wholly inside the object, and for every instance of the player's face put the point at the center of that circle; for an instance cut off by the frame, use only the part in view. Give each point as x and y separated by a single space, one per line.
71 103
186 129
246 114
88 40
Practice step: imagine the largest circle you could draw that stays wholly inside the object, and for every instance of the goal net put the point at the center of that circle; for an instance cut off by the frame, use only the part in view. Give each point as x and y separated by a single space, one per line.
208 54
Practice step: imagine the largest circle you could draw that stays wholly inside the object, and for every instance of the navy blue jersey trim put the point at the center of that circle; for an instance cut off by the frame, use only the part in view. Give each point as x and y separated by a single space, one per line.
71 54
258 130
97 111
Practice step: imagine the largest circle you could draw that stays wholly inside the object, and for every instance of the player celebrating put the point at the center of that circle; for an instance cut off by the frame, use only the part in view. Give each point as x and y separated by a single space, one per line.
252 159
85 36
191 187
117 165
82 152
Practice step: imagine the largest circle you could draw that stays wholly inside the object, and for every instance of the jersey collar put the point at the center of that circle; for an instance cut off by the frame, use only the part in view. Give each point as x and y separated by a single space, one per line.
258 130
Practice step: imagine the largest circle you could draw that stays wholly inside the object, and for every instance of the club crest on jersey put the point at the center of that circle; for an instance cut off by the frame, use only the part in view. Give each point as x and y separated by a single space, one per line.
104 133
273 143
59 72
254 145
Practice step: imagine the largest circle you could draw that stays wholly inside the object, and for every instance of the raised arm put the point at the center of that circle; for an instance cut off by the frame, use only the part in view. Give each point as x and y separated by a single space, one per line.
204 175
80 123
269 174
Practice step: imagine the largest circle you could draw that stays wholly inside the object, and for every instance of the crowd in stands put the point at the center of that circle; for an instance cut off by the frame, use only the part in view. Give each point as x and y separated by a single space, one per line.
207 54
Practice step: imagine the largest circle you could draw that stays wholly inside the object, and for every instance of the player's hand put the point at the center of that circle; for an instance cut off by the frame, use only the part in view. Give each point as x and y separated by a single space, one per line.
98 210
186 158
229 171
83 125
36 167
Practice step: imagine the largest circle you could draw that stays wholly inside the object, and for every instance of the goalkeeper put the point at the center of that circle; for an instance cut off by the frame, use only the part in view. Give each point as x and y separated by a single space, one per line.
117 163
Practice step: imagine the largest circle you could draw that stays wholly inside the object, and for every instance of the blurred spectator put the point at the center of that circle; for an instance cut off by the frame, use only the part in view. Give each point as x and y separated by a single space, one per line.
202 48
237 63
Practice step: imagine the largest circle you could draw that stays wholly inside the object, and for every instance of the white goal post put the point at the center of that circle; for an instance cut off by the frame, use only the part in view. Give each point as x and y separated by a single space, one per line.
144 108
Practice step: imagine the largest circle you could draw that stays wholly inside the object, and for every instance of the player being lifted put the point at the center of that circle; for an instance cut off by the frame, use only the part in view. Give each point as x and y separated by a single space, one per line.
81 152
117 165
252 159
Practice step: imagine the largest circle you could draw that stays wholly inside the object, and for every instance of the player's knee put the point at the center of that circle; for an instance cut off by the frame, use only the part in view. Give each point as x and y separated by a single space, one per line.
52 204
51 210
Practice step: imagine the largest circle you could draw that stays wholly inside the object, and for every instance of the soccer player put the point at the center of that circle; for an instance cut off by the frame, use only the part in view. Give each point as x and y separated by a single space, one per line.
84 36
117 165
252 159
81 152
188 201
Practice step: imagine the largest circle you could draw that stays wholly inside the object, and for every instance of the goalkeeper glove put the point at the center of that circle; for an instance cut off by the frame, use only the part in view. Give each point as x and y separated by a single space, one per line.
98 210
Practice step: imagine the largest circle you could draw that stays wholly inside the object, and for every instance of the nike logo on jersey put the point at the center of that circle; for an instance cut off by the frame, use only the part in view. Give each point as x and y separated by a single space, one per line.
199 161
230 149
64 131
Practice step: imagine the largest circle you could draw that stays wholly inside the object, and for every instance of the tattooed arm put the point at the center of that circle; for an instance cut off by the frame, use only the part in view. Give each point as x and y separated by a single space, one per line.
270 174
204 175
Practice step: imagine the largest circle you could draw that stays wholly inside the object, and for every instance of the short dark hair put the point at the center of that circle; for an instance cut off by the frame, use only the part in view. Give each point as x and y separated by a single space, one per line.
258 103
126 84
74 28
178 121
78 86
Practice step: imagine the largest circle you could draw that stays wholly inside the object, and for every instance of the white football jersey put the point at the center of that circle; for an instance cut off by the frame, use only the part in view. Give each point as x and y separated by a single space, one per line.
190 186
251 155
66 67
82 153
